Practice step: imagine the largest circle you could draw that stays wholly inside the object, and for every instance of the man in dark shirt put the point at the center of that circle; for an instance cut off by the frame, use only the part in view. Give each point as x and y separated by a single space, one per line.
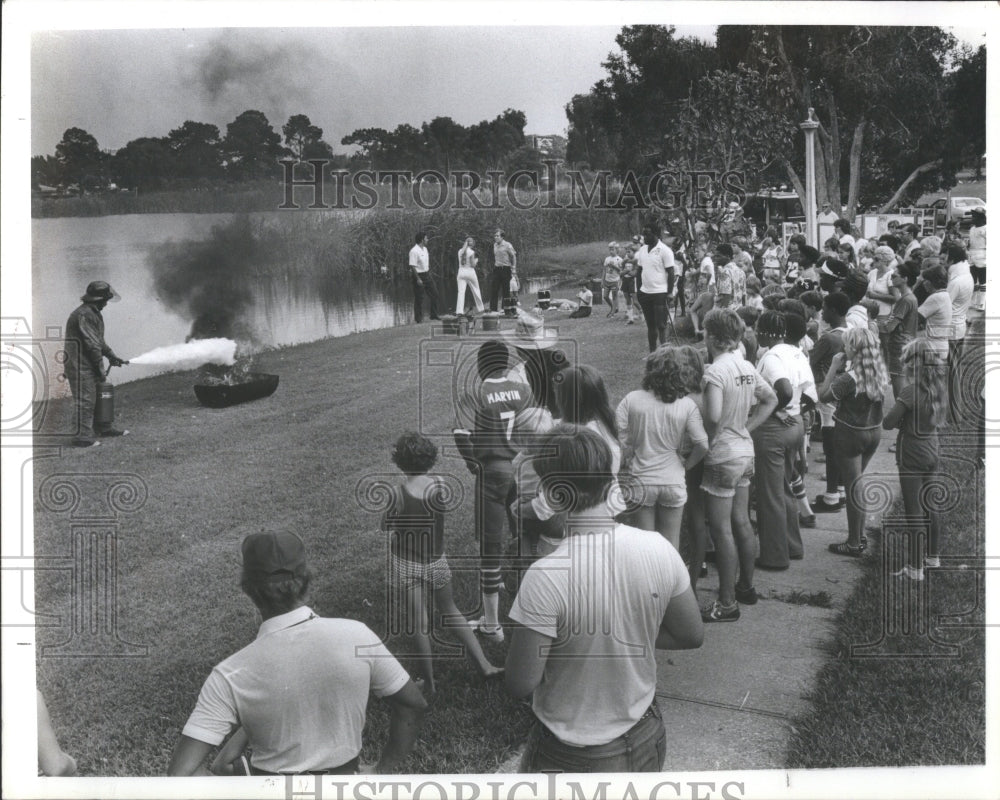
835 306
85 352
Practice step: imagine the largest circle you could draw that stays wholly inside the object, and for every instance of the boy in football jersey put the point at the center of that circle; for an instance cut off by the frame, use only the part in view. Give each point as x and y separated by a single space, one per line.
490 417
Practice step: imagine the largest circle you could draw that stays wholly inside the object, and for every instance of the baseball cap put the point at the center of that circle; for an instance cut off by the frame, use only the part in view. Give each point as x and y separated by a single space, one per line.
273 555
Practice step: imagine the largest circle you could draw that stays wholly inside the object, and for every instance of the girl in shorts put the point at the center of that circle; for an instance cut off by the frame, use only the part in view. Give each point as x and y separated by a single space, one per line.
611 280
732 387
856 381
921 408
418 569
657 422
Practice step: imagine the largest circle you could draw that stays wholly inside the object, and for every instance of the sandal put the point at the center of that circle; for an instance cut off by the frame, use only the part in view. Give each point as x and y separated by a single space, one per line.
845 549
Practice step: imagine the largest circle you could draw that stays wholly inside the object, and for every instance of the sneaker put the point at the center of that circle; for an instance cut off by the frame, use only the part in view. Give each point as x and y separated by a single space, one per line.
748 597
933 562
916 573
822 506
86 443
478 625
807 521
112 432
720 613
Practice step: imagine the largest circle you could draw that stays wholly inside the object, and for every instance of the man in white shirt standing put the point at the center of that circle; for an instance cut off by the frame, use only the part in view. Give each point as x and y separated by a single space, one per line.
827 216
300 690
423 281
656 261
589 619
960 289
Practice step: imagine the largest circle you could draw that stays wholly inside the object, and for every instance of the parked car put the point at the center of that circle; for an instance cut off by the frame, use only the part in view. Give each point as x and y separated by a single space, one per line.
961 209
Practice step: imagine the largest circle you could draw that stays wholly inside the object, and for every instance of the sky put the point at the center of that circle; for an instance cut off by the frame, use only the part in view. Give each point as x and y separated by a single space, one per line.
122 84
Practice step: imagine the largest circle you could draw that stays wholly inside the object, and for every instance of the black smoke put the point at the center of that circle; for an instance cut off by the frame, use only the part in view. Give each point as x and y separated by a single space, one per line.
234 70
211 281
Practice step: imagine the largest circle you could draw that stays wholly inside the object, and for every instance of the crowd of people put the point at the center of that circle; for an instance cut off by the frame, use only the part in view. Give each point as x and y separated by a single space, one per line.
598 518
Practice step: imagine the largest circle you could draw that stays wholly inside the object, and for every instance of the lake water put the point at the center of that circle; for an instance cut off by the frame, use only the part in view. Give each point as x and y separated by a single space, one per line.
69 252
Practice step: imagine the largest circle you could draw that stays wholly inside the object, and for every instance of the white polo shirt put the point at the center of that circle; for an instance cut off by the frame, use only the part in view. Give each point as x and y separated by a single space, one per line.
300 690
654 264
419 259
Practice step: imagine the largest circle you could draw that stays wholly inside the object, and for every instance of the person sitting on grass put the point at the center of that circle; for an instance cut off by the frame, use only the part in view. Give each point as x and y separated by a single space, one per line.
300 689
586 302
419 571
921 408
731 388
590 667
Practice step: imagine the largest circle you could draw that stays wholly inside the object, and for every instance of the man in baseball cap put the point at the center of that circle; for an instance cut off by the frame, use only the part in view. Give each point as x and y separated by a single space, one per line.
84 367
299 691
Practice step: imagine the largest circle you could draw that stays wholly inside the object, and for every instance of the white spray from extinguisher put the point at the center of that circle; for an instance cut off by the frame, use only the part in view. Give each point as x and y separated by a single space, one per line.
188 355
191 354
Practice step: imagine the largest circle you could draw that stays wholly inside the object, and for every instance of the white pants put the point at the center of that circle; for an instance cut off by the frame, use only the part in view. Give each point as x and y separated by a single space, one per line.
467 277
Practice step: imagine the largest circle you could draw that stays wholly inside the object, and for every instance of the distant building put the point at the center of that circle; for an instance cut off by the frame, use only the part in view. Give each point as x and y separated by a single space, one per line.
551 145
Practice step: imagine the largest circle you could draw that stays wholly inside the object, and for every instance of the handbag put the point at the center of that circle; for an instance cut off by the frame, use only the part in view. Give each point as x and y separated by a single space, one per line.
515 284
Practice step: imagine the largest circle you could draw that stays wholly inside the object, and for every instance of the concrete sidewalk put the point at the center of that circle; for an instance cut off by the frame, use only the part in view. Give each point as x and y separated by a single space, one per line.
730 704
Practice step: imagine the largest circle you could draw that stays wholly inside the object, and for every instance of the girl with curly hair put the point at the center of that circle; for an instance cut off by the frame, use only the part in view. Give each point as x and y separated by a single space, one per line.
856 381
921 408
657 423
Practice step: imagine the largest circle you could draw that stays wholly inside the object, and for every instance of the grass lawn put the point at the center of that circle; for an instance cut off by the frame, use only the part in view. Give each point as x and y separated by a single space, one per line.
293 462
288 462
906 681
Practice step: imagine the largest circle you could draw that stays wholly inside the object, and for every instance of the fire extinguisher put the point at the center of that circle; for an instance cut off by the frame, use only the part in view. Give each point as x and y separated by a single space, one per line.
104 413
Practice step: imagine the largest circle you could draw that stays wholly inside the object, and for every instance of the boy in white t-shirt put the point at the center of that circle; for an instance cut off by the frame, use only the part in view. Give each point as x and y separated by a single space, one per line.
586 302
560 651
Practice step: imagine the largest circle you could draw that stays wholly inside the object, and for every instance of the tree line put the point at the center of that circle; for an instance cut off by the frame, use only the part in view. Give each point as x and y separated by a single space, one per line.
197 154
900 109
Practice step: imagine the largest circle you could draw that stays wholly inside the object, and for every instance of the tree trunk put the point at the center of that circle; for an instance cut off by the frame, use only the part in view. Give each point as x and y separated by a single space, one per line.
796 182
912 177
854 186
833 160
822 184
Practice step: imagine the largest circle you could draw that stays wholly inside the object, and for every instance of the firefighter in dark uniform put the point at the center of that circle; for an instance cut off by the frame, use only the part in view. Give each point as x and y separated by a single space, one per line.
85 353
